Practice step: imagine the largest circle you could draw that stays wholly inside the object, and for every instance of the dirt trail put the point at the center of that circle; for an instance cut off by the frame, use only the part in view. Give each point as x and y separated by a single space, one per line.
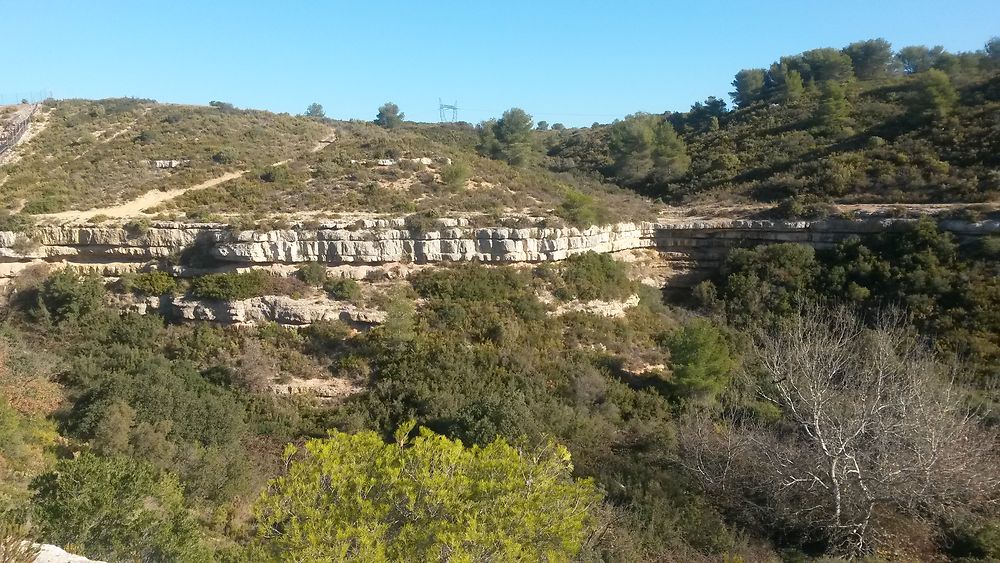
138 207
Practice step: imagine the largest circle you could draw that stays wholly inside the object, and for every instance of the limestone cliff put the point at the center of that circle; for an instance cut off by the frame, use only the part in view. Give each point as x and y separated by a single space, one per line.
687 245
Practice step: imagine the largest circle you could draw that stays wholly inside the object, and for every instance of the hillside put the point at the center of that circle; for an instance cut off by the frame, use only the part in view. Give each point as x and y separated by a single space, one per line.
768 333
926 136
886 137
93 153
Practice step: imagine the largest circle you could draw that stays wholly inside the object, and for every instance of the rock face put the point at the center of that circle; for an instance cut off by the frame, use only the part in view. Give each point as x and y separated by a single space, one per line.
54 554
272 308
688 245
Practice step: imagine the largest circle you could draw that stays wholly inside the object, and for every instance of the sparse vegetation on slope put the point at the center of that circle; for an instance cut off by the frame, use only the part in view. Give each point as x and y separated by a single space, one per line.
412 168
100 152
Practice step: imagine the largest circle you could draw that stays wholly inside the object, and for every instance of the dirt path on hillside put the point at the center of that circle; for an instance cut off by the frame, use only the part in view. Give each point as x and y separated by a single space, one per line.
138 207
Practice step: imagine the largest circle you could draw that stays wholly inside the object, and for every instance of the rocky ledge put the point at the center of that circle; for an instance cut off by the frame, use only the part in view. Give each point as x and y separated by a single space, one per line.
691 244
280 309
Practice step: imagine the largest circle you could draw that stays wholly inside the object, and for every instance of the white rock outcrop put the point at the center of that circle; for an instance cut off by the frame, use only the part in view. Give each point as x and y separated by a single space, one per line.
387 242
279 309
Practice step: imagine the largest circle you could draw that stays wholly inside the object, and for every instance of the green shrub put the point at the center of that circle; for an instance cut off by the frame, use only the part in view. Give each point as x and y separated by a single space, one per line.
225 156
16 222
244 285
593 276
420 223
804 207
455 175
313 273
474 504
146 137
344 289
68 295
582 210
116 509
273 174
150 283
700 360
230 286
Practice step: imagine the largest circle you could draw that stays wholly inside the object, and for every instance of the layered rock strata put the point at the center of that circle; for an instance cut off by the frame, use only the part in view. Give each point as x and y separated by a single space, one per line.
368 248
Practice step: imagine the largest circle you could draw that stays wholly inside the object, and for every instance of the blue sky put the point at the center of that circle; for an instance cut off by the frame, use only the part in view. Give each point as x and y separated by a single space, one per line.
574 62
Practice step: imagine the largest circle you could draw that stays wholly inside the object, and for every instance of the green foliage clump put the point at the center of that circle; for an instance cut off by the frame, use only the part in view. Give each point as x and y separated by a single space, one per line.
70 295
15 222
344 289
389 116
273 174
225 156
150 283
356 497
834 113
582 210
508 138
768 281
230 286
749 86
313 273
700 360
115 509
871 59
933 96
805 206
455 175
244 285
591 276
949 293
315 110
420 223
646 147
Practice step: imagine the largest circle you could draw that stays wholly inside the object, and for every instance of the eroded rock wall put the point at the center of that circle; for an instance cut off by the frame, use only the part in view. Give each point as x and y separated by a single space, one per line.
362 247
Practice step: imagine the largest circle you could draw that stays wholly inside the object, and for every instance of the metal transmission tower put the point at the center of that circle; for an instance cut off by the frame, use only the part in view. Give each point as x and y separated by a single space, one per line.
445 109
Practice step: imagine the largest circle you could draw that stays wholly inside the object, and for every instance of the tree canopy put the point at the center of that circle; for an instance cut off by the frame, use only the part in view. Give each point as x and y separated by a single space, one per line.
117 509
315 110
389 116
428 498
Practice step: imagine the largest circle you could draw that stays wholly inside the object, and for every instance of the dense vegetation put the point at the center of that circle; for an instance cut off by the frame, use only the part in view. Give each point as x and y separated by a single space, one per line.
862 124
178 419
801 404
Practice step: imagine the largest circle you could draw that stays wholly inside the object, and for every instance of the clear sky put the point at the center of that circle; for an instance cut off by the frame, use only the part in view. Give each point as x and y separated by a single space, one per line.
574 62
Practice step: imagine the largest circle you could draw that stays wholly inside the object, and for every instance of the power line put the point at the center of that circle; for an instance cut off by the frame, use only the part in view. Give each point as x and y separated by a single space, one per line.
444 108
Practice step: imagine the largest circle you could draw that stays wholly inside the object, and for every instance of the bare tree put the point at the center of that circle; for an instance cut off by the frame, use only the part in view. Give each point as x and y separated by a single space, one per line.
872 426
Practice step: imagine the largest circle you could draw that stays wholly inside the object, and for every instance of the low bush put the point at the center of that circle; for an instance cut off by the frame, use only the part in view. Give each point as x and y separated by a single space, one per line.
344 289
455 175
225 156
804 207
244 285
68 295
420 223
16 222
149 283
313 273
273 174
592 276
582 210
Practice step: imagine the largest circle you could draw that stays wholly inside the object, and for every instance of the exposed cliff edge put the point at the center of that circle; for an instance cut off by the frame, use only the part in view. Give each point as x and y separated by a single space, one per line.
280 309
361 245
